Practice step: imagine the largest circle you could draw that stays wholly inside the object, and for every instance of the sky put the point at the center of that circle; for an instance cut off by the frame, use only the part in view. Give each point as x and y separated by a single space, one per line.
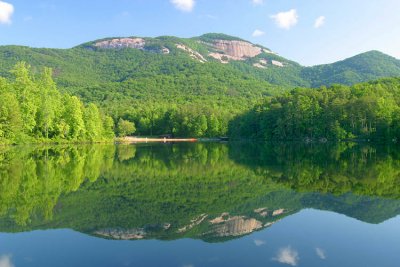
307 31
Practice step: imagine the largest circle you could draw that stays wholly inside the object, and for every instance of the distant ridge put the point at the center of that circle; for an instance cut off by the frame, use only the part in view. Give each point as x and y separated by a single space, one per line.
234 52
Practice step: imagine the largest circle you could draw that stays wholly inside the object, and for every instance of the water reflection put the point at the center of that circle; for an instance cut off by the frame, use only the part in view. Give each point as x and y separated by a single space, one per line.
213 192
5 261
287 256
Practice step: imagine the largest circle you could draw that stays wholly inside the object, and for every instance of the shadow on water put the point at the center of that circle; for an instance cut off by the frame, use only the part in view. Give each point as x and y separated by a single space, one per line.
209 191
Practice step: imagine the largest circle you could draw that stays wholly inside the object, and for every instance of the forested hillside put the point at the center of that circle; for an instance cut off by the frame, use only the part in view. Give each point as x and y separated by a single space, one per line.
364 67
369 111
185 87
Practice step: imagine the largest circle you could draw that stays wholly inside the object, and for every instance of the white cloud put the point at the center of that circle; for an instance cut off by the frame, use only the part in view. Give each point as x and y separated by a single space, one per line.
5 261
286 20
320 253
319 22
6 11
257 2
258 33
287 256
184 5
259 243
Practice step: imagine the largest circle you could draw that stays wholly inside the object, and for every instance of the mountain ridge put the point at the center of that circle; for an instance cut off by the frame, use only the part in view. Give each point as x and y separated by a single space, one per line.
206 78
241 54
204 37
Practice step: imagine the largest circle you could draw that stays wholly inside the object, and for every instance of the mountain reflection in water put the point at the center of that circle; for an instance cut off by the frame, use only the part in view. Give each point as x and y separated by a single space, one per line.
209 191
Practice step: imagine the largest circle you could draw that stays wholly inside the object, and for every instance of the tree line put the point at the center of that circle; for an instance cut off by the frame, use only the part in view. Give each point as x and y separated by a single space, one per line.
33 110
368 111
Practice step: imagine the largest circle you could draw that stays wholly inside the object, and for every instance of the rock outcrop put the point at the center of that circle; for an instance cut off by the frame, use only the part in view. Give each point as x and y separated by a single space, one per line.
236 226
122 234
226 225
137 43
260 66
277 63
233 50
194 222
193 54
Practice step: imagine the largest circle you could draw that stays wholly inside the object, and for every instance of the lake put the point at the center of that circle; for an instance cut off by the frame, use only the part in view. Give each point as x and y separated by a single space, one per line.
200 204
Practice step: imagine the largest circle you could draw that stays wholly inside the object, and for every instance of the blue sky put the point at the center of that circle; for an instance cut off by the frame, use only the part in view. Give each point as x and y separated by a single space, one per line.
308 31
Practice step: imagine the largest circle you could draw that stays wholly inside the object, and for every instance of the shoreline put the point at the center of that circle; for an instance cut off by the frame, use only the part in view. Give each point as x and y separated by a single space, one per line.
133 140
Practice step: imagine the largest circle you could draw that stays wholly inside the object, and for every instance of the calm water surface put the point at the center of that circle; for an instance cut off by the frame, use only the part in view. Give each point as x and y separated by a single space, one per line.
206 204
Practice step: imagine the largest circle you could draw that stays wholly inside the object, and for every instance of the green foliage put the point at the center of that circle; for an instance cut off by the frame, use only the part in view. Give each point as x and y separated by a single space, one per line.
125 128
33 110
126 187
365 111
93 123
10 118
338 168
165 93
364 67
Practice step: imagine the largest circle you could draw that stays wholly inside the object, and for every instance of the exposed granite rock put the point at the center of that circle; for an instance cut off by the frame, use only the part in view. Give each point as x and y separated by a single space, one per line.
194 54
278 212
196 221
234 49
165 51
122 234
236 226
260 66
260 210
263 212
277 63
137 43
220 219
224 59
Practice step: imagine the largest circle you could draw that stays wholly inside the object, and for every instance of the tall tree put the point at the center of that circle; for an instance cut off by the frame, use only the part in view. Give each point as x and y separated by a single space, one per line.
27 93
49 104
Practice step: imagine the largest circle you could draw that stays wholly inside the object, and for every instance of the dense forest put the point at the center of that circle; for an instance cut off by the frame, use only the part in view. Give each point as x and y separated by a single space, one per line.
33 110
368 111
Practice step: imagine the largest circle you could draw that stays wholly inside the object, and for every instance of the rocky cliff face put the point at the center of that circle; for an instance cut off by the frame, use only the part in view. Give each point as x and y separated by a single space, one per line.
137 43
233 50
122 234
236 226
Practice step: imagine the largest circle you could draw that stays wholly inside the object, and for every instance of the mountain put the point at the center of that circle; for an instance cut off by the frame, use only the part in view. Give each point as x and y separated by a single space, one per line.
364 67
119 59
184 86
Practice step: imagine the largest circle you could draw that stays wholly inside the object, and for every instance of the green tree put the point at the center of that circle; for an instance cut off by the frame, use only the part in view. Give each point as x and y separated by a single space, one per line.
125 127
27 93
74 126
49 104
11 124
109 132
93 123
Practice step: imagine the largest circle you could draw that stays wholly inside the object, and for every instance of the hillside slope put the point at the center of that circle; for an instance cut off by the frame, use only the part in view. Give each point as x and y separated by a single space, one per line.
119 59
185 86
364 67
